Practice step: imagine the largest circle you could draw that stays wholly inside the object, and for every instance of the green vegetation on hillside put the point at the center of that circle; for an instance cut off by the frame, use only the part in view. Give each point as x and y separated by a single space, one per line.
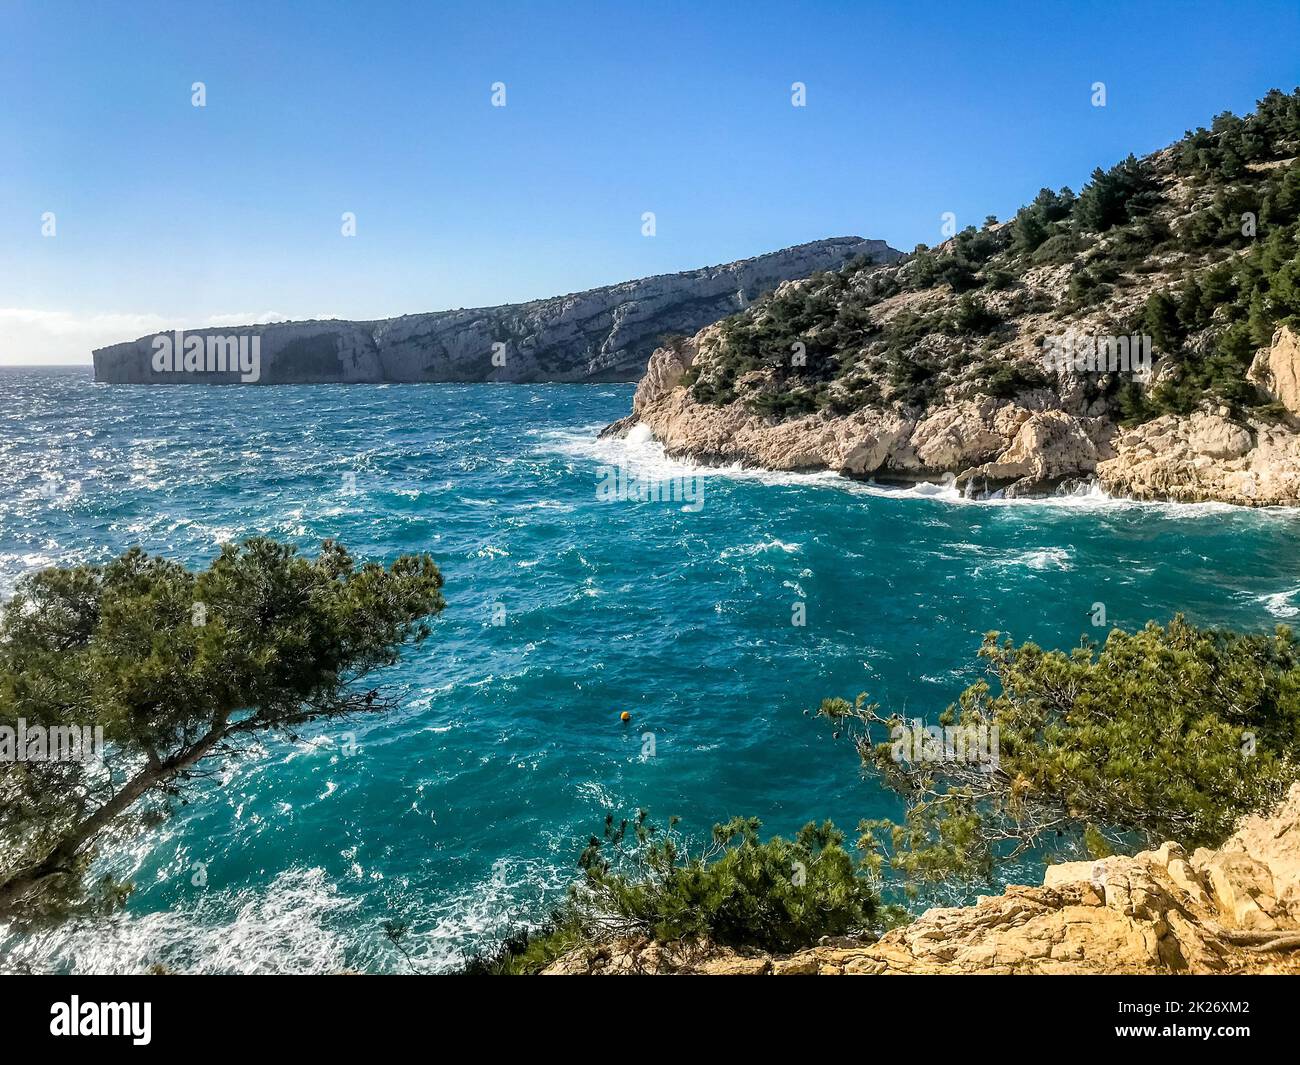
1210 325
779 895
1216 215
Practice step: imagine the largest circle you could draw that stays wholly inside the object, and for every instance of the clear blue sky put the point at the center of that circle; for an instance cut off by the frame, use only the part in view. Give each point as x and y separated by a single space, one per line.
169 213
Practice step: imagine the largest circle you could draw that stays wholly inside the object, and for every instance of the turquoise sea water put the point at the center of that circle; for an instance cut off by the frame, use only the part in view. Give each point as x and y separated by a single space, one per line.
463 813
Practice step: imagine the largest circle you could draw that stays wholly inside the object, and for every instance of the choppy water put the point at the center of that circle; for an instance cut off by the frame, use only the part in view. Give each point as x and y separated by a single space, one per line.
464 812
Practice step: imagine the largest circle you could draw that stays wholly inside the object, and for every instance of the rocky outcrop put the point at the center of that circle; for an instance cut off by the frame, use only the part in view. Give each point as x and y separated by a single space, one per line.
1206 457
1231 910
1276 370
1048 448
1032 445
604 334
988 443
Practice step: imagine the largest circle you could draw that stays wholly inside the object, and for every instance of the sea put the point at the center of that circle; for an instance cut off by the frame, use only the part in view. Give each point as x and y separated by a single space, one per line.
716 607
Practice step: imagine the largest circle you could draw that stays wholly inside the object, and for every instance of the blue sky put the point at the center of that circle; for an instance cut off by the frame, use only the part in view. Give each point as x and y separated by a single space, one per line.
170 214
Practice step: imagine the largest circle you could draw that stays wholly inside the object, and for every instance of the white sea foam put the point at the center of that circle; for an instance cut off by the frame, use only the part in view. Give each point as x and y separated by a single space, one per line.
745 550
283 928
1041 559
485 911
641 453
1281 604
1048 558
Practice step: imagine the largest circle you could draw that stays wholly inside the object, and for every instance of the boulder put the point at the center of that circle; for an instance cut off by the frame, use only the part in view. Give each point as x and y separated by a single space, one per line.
1276 369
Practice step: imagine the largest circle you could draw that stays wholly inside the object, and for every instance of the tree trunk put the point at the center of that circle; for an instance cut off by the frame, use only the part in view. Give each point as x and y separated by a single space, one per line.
15 889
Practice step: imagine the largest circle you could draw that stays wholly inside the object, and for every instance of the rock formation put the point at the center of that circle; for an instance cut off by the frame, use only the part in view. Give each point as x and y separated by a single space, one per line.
1027 446
1276 370
1113 338
604 334
1231 910
1023 447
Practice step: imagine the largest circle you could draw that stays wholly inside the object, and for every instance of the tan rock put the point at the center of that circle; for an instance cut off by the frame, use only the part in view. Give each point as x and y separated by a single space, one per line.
1029 446
734 965
806 964
1072 873
1184 877
666 367
953 438
1048 446
1213 436
1143 914
1203 458
1276 369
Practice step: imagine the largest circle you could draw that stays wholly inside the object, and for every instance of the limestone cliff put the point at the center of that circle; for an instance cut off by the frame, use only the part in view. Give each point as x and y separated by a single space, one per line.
1141 336
604 334
1031 445
1231 910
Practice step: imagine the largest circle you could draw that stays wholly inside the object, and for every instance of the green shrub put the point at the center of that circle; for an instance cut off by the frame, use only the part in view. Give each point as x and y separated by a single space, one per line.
1041 219
1090 285
1124 193
1170 732
779 895
1007 380
972 317
1060 248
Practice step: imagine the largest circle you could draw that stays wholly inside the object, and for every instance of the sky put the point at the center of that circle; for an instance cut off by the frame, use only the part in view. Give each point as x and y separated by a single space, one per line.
165 214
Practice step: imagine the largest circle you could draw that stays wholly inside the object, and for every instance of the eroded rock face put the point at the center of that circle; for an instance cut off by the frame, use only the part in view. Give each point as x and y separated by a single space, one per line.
994 443
1027 446
1231 910
1276 369
604 334
664 371
1048 447
1206 458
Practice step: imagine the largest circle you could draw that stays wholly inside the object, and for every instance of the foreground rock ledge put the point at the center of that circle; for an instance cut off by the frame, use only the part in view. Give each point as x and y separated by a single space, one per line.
1232 910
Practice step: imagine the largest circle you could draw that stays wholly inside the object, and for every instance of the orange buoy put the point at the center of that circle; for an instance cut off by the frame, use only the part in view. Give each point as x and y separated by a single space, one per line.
625 717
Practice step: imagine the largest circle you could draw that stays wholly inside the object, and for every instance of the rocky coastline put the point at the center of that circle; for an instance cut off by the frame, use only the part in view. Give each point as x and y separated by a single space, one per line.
1036 444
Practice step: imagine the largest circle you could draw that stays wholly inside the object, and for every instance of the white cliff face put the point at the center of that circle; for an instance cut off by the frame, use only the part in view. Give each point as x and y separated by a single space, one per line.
605 334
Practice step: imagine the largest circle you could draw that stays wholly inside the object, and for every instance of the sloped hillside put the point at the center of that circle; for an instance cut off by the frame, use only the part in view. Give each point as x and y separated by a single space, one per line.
1139 333
603 334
